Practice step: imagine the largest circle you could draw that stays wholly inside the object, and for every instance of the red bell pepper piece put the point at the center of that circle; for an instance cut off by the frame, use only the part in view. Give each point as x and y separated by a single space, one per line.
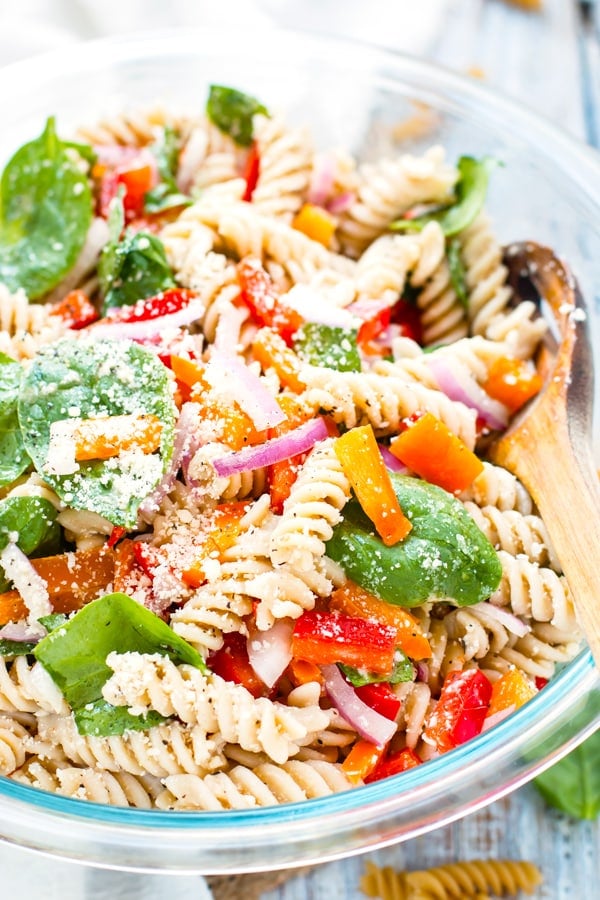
137 177
251 172
146 557
375 315
460 711
231 662
408 317
381 698
261 297
394 764
164 304
324 638
540 682
76 310
116 534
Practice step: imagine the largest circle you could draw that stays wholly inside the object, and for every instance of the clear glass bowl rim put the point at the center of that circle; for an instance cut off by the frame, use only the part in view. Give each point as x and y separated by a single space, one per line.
371 808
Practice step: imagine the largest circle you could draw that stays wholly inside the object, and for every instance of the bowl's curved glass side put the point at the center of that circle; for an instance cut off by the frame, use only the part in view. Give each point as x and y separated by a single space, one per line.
548 190
413 803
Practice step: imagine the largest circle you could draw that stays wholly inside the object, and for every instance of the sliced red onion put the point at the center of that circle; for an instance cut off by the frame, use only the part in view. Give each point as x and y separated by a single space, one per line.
422 671
151 327
392 462
185 444
229 372
322 179
310 305
369 724
270 652
299 440
511 622
227 334
495 718
22 633
341 203
457 384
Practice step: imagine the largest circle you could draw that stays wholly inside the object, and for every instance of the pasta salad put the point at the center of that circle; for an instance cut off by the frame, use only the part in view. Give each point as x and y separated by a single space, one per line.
251 550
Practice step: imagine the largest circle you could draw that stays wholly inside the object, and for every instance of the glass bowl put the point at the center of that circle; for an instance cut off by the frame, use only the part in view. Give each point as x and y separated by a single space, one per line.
548 190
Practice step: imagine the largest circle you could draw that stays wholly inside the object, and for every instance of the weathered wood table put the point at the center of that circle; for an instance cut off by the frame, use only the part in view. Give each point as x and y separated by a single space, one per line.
549 61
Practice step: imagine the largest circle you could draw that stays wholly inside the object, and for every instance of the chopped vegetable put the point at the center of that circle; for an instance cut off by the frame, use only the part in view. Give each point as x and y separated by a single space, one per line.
301 671
107 436
354 600
323 638
282 475
363 466
380 697
316 223
444 556
167 302
270 652
511 689
394 764
14 458
131 267
460 712
85 379
76 310
458 384
232 112
166 195
325 345
225 533
366 722
231 662
573 784
251 172
458 272
136 178
251 394
30 522
72 580
45 214
361 761
299 440
430 449
513 382
403 670
262 299
272 352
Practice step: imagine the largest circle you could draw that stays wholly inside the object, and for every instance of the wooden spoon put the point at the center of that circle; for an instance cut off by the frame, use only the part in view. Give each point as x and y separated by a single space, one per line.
548 446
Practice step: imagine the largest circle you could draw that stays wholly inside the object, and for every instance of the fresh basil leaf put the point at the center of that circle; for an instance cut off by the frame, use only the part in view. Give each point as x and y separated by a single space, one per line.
471 190
232 112
16 648
75 654
53 620
85 151
458 273
133 268
100 719
445 555
33 519
45 214
573 784
325 345
163 197
403 671
13 456
93 378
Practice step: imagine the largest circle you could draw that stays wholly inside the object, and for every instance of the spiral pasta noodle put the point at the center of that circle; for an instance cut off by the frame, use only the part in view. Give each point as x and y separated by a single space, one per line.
473 879
25 326
285 164
12 745
27 687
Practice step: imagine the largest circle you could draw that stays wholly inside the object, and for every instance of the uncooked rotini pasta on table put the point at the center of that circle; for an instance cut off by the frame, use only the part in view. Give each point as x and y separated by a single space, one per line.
251 551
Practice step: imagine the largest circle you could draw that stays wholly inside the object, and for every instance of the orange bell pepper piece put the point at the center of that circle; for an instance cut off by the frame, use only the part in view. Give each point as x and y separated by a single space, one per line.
430 449
72 579
75 309
223 536
364 468
272 352
107 436
301 671
362 760
512 382
316 223
354 600
511 689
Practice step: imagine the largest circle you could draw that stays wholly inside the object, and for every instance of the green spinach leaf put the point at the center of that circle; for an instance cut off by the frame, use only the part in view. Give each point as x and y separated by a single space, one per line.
445 555
458 274
573 784
166 194
403 671
232 111
471 190
326 345
88 378
45 213
13 456
100 719
75 656
33 519
132 267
